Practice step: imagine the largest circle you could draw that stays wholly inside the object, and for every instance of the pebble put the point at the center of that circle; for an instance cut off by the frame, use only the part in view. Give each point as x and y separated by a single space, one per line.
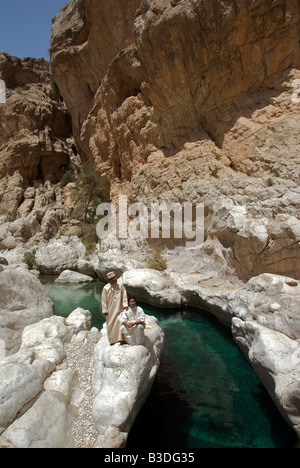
80 357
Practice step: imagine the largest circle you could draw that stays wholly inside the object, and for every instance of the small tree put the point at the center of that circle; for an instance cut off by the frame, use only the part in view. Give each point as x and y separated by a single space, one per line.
91 188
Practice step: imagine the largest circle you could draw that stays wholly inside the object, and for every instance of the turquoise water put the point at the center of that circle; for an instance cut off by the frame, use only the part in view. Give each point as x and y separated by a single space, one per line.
206 393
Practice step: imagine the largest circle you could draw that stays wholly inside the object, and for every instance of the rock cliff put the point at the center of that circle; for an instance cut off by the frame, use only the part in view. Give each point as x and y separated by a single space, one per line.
186 71
197 103
35 129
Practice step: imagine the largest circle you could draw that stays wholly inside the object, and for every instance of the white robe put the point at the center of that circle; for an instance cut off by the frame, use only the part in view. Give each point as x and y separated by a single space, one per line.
114 300
134 335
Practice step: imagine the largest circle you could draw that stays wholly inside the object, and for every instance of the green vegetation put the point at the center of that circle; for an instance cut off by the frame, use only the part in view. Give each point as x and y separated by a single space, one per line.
92 191
29 259
66 178
11 216
155 260
55 95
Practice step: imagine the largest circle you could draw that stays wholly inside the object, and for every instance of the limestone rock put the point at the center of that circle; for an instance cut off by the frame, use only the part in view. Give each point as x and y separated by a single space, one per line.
151 287
68 276
2 92
123 377
275 358
164 99
23 301
77 32
80 320
34 140
85 267
11 192
119 255
217 125
30 389
58 255
53 413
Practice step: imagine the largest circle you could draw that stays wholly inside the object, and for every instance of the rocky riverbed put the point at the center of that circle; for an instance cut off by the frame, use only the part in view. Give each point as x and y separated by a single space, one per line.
262 313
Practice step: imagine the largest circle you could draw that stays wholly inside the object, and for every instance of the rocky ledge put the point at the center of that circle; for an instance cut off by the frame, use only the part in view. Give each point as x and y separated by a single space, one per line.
123 377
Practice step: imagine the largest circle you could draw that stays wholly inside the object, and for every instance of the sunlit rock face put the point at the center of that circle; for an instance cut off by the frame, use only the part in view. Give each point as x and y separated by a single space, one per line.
146 92
34 131
193 101
34 124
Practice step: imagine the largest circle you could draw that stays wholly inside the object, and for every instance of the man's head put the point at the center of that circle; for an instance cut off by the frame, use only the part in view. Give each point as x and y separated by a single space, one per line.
112 277
132 302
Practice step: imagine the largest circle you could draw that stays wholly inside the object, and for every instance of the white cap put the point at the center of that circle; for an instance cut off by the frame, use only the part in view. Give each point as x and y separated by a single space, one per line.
111 274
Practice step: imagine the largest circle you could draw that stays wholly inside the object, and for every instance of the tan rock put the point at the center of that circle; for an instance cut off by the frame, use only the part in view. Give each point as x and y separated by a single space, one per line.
34 128
220 122
78 61
154 94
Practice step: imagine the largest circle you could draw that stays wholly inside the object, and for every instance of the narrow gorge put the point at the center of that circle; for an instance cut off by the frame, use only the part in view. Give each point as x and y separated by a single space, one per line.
172 104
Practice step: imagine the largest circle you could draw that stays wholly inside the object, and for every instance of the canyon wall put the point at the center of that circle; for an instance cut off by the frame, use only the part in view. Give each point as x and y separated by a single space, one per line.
177 72
35 129
170 101
192 101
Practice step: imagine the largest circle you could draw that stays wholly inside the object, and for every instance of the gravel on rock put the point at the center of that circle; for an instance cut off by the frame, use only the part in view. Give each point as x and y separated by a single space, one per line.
80 357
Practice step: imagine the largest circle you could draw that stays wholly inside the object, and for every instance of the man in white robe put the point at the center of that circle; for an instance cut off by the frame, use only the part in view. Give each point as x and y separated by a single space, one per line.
133 323
114 301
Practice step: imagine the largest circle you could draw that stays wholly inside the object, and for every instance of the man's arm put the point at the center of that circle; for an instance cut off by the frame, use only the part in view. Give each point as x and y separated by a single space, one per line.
104 302
124 296
140 315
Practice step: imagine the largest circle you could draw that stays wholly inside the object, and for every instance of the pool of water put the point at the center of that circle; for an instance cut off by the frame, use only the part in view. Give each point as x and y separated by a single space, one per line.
206 393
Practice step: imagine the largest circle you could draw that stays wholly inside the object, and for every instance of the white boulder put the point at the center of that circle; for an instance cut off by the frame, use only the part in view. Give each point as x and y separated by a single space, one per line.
266 326
276 359
123 377
150 286
23 301
119 255
59 255
68 276
38 402
48 423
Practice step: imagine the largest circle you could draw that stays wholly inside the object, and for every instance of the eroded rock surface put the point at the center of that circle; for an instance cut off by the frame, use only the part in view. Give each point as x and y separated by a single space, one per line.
218 125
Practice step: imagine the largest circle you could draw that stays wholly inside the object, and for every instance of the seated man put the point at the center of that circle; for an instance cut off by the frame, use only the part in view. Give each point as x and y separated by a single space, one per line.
133 323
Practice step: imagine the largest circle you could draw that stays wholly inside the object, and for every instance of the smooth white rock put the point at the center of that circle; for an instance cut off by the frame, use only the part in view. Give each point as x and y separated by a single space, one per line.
48 423
276 359
23 301
59 255
22 378
123 377
150 286
68 276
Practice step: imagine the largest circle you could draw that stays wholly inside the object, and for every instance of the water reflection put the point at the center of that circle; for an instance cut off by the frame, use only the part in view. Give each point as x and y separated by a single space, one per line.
67 298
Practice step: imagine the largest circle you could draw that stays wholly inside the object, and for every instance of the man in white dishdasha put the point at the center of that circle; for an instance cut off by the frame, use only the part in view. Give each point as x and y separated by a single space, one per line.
114 301
133 323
